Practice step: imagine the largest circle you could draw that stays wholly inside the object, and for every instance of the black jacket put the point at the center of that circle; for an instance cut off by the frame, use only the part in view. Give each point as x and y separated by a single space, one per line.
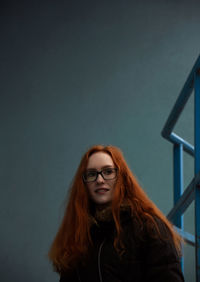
149 260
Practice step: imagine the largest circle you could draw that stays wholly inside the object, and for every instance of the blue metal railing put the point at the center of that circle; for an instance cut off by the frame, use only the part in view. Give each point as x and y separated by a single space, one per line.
192 193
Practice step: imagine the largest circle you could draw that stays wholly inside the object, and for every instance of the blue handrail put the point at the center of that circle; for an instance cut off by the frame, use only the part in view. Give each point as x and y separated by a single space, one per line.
180 102
182 199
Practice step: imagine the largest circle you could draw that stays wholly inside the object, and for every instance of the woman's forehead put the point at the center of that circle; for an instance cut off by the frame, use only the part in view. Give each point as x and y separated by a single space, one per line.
99 160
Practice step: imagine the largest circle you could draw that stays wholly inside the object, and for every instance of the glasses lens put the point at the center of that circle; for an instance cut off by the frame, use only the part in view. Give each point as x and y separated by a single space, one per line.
109 173
90 176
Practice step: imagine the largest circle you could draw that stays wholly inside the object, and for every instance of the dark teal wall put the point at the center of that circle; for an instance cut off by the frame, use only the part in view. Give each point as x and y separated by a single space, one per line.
77 73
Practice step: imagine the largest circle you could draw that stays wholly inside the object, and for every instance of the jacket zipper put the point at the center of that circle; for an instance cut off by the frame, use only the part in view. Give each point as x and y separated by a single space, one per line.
99 264
99 261
77 272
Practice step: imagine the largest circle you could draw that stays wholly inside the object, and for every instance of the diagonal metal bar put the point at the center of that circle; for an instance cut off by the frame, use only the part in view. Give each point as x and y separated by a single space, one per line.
187 147
180 102
185 200
189 238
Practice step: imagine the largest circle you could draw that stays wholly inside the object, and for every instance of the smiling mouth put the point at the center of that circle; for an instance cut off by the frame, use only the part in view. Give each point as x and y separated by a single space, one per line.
101 190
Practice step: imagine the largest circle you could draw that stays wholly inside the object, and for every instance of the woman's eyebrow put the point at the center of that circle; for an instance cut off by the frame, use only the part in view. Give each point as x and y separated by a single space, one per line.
105 166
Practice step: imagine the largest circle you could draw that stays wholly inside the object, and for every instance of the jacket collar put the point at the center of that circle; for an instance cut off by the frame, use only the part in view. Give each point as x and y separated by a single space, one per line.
105 215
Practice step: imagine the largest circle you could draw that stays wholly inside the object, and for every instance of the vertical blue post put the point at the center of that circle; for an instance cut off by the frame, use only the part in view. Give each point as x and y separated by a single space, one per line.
178 185
197 169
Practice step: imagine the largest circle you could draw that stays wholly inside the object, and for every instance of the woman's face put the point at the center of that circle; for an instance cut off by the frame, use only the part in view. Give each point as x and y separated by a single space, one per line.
101 191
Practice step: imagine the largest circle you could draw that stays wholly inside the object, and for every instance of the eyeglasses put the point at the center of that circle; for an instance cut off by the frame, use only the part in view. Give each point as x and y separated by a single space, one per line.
107 174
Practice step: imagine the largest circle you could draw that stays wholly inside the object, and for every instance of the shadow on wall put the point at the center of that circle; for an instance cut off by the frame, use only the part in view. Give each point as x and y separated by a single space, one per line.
13 269
14 272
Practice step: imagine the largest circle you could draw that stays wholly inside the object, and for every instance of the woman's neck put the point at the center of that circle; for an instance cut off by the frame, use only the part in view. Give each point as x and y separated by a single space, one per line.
99 208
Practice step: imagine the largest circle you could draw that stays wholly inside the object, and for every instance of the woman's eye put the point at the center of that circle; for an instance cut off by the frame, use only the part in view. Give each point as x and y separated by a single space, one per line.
91 174
108 171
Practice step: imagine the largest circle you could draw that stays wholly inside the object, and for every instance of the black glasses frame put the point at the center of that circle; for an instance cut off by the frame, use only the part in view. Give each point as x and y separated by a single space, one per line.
100 172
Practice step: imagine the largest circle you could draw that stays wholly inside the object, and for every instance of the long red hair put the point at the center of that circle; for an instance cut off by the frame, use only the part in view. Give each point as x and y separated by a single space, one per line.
73 237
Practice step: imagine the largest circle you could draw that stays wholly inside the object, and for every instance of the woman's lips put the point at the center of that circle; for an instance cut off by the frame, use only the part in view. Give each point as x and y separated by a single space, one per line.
101 190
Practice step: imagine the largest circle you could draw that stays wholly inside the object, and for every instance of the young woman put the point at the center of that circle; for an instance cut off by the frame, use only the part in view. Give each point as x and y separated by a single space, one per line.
111 231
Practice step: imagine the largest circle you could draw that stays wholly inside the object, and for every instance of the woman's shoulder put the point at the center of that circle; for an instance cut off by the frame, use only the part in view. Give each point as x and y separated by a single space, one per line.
157 227
145 228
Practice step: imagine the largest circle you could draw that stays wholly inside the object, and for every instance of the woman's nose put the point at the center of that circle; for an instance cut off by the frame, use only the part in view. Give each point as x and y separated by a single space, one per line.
100 178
